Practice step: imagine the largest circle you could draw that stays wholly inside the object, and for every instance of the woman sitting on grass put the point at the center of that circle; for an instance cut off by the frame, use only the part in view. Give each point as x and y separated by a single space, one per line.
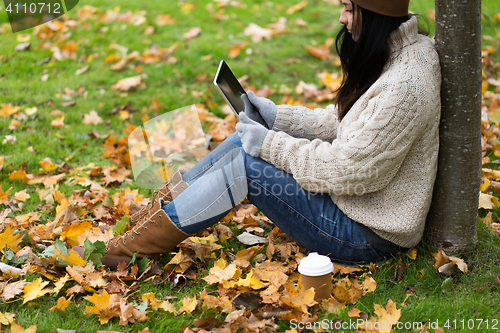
352 181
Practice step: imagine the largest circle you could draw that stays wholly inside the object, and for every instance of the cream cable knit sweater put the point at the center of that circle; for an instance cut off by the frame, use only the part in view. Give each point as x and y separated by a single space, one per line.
379 164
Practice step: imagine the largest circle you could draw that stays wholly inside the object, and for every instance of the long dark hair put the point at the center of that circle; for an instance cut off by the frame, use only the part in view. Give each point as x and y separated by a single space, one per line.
363 61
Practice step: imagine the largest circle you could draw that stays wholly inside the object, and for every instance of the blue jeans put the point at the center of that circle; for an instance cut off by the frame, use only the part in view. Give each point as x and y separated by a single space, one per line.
227 175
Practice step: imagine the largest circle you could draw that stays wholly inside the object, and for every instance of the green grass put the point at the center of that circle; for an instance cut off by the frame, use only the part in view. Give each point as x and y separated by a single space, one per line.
172 85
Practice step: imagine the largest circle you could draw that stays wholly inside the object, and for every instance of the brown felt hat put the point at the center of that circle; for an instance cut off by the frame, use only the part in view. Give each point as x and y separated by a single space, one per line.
395 8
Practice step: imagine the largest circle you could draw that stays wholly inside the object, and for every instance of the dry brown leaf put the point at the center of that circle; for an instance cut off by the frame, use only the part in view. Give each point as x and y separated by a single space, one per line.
58 122
279 27
92 118
78 289
13 289
166 19
218 274
445 264
273 272
14 124
271 294
194 32
248 254
257 33
21 196
344 270
62 304
128 84
331 305
297 298
487 201
235 50
322 52
295 8
78 277
181 261
301 22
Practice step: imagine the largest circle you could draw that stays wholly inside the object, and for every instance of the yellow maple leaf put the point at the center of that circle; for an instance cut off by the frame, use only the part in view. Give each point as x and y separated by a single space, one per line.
249 253
152 301
8 109
17 328
218 275
62 304
369 285
19 174
188 304
4 195
250 282
387 317
106 315
100 301
6 318
47 165
210 241
60 283
412 253
346 291
188 7
70 233
35 290
9 240
157 304
28 218
58 122
63 204
485 184
72 258
298 298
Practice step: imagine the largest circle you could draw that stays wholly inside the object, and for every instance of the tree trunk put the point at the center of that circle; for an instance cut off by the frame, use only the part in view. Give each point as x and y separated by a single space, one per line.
452 219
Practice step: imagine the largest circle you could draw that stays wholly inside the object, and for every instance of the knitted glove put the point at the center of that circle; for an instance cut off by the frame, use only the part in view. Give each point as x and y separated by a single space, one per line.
261 106
251 111
252 135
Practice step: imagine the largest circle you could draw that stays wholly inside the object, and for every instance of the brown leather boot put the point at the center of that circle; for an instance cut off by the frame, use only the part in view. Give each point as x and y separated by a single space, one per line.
169 192
153 235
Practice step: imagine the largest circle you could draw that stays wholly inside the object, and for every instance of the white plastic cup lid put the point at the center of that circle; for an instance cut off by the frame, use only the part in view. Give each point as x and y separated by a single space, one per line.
315 265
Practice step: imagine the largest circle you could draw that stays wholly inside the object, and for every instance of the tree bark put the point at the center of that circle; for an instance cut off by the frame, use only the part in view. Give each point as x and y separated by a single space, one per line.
452 219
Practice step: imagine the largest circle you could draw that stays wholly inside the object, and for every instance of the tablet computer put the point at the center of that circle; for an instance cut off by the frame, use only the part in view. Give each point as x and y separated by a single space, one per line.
230 88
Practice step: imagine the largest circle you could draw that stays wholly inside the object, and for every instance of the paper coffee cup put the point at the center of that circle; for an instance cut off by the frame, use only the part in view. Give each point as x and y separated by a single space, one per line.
316 272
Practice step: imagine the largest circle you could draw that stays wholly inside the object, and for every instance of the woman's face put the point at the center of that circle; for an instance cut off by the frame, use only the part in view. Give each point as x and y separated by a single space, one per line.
347 18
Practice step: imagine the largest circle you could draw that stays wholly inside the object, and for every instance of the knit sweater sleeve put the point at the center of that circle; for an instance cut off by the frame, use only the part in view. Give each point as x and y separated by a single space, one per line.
302 122
367 152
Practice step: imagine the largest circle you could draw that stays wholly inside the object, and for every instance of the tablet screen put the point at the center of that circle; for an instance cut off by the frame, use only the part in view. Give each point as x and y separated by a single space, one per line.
230 87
